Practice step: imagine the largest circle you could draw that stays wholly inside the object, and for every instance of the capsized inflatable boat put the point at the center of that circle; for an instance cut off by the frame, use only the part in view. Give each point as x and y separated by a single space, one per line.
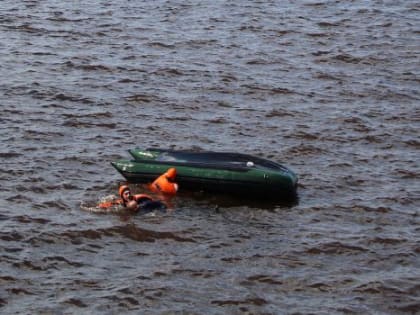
211 171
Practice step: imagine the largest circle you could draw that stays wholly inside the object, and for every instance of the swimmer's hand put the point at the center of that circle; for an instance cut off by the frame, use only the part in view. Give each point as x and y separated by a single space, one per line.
132 205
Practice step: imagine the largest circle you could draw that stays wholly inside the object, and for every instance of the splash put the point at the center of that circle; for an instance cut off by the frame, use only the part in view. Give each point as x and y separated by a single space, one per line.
95 208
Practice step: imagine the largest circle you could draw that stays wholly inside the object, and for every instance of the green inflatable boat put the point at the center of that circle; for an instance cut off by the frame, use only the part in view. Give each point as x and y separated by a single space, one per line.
211 171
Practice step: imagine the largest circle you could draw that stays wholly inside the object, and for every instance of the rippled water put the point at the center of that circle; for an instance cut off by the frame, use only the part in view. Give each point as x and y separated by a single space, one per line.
330 89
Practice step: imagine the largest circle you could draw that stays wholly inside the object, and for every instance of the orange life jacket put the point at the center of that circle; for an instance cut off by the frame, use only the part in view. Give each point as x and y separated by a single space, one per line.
110 203
165 183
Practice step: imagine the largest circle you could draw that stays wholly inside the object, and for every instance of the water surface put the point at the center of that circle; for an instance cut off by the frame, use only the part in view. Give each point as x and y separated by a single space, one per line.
329 89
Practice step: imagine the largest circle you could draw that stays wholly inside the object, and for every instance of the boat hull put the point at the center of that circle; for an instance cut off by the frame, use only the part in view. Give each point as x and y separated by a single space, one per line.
229 173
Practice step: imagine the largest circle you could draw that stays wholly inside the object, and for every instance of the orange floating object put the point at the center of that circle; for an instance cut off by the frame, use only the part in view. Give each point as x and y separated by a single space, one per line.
165 183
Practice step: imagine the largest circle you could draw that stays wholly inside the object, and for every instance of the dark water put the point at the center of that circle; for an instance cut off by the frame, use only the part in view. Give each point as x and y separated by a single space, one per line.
329 88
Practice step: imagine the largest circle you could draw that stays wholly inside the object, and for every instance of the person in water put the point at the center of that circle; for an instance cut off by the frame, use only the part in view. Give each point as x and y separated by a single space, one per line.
164 186
139 201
